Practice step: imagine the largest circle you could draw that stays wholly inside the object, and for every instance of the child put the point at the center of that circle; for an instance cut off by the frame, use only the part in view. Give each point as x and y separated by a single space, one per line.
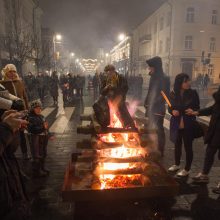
38 130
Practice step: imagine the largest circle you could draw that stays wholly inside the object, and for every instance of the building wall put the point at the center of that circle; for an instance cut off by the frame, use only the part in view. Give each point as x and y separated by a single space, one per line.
169 41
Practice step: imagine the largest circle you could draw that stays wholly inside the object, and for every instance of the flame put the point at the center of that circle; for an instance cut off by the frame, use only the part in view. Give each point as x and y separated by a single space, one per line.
116 166
122 152
115 181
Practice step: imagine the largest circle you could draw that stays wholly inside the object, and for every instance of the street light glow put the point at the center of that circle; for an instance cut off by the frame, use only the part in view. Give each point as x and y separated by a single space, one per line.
121 37
106 54
72 54
58 37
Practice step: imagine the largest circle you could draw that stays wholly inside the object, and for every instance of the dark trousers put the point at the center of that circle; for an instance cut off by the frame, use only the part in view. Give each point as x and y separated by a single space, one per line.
209 158
158 121
182 137
23 143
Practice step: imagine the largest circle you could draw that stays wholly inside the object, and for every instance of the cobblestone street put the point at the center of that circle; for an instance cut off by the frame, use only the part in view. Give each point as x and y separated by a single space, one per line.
193 202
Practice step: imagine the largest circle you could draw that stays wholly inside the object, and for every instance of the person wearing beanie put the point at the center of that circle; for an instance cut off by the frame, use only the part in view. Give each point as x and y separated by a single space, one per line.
38 136
15 86
154 102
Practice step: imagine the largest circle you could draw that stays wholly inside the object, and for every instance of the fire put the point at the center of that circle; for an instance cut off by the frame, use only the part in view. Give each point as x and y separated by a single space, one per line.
118 181
122 152
130 148
116 166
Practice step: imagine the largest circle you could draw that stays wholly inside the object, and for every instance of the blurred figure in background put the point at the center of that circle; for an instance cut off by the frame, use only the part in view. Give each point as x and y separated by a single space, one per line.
54 86
40 86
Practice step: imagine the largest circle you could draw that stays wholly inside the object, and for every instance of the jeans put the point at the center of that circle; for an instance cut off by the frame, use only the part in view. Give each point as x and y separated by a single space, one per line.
182 137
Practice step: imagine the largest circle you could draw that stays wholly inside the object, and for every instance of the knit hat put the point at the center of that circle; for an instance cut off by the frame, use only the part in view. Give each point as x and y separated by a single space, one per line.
36 104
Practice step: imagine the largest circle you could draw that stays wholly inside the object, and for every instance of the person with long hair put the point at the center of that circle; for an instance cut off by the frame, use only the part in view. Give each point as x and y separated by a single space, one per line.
182 99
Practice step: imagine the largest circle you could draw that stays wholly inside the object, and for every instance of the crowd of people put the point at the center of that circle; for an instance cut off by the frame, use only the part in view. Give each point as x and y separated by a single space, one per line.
20 112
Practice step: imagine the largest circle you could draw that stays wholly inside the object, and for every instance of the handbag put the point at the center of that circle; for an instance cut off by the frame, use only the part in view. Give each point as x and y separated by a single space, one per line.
198 129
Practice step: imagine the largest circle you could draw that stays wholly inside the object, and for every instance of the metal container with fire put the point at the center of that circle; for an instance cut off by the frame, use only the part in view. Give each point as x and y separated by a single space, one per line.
115 164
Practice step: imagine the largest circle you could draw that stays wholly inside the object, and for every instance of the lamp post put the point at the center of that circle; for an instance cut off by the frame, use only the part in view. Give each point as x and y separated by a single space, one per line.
56 39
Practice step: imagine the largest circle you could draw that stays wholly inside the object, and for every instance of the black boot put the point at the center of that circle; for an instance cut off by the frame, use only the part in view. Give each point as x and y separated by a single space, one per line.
43 168
36 169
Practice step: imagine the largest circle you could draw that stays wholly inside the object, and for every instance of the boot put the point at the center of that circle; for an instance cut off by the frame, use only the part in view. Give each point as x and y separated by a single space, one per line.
43 168
36 169
25 156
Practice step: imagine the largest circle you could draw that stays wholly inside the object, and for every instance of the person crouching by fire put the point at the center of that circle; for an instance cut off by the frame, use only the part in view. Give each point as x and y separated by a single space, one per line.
38 136
113 91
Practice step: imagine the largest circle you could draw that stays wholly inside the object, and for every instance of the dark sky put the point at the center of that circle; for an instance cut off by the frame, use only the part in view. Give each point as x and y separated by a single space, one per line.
90 24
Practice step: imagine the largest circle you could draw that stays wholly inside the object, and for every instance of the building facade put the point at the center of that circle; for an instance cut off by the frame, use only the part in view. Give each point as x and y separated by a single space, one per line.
20 20
120 56
186 34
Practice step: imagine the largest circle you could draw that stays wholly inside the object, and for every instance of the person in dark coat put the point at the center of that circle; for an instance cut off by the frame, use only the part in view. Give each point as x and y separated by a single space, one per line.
95 83
40 86
212 137
114 89
54 86
14 201
182 99
154 102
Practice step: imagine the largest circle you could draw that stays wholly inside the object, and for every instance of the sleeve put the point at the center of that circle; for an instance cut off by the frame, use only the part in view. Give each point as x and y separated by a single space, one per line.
5 104
196 106
6 136
206 111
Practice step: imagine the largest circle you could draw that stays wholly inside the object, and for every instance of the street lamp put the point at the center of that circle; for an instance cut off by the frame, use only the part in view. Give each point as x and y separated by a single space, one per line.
56 39
107 55
121 37
72 54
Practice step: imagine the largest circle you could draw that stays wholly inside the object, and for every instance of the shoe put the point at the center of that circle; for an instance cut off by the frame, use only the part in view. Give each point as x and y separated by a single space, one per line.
25 156
183 173
174 168
201 178
216 189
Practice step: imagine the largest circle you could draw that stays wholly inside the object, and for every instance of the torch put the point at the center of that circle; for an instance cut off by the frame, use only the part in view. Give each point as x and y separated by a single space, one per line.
166 98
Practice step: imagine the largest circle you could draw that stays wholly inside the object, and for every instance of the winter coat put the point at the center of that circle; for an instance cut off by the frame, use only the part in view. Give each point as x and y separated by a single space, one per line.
13 199
213 135
190 99
16 88
154 102
120 87
36 123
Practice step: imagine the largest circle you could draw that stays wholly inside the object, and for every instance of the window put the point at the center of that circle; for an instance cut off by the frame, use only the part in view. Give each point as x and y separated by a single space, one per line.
169 18
167 45
190 16
188 42
161 23
212 46
161 46
214 17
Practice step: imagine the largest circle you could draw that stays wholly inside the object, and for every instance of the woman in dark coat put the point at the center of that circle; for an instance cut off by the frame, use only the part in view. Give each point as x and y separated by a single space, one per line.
54 85
182 125
212 137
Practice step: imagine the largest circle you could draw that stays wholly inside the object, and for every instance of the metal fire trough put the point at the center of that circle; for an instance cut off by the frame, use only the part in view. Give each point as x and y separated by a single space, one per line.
81 183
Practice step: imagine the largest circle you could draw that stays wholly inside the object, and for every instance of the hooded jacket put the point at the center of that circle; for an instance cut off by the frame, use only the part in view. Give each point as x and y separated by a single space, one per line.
154 102
213 135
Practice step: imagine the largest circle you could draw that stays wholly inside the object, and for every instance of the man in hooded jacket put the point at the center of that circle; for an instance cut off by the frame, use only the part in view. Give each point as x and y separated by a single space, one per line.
154 102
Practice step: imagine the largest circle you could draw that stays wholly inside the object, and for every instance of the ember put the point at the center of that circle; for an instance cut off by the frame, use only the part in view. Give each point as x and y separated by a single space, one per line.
119 181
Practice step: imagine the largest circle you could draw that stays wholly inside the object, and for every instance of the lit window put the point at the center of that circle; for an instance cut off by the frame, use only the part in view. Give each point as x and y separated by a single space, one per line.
190 16
212 45
214 17
188 42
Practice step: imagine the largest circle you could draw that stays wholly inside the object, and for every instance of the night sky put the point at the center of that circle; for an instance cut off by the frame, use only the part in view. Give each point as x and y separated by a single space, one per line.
90 24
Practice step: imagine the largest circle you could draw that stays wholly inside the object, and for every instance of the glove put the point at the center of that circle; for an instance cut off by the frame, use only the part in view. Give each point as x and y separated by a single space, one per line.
18 105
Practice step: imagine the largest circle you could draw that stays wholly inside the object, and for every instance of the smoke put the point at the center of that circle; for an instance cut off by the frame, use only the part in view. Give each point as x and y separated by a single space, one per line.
93 24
